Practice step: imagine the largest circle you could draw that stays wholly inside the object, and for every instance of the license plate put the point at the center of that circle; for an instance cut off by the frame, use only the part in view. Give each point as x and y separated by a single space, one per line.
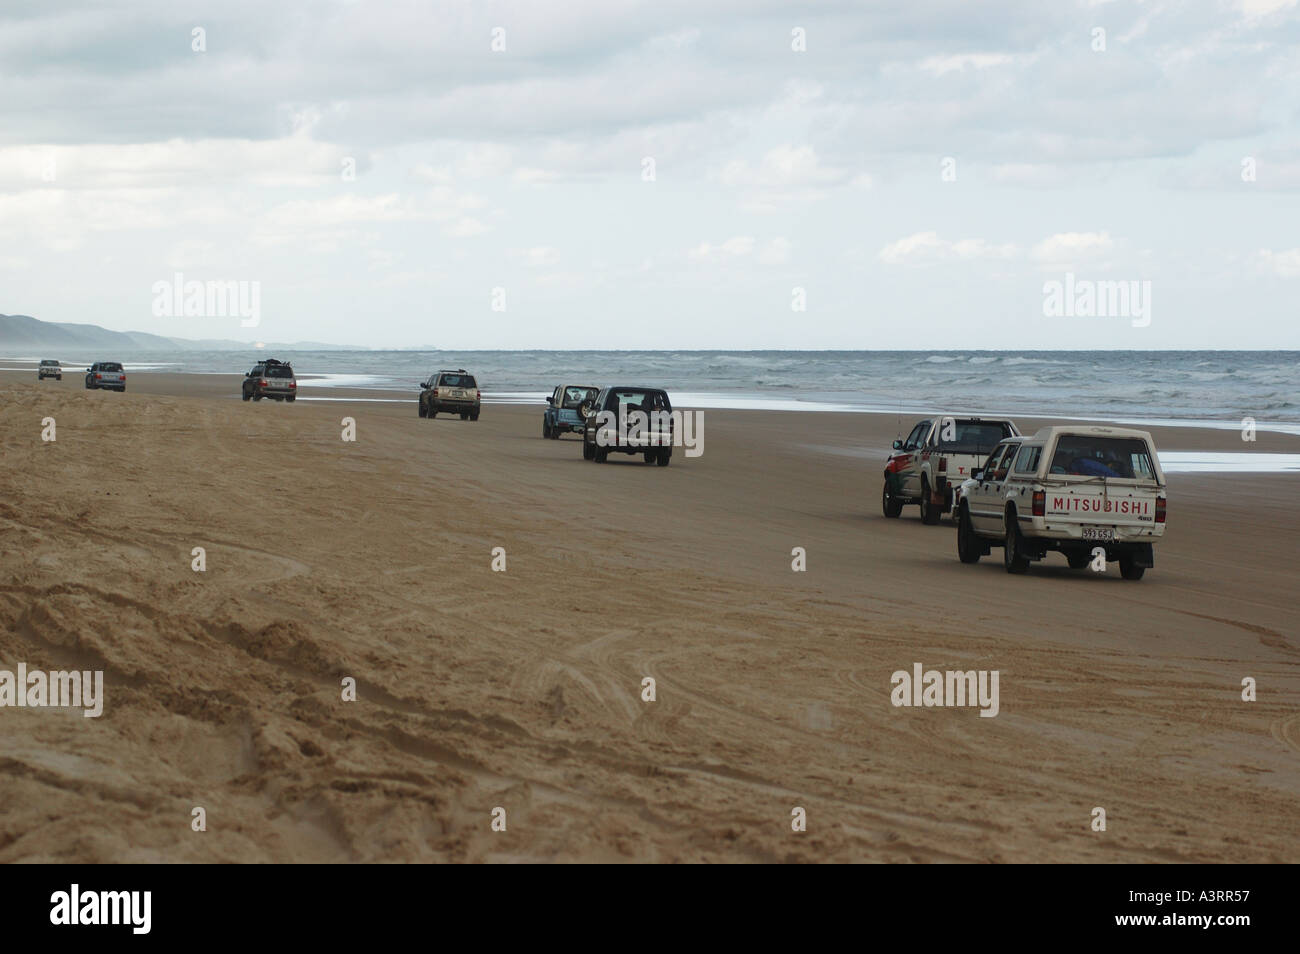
1098 533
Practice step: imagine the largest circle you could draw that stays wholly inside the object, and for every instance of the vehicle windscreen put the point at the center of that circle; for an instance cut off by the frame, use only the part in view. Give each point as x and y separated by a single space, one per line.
1088 456
574 397
972 437
457 381
278 371
110 366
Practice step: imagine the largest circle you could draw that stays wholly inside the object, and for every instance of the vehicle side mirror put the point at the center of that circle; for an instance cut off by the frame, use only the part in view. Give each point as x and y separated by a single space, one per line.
977 475
550 399
897 445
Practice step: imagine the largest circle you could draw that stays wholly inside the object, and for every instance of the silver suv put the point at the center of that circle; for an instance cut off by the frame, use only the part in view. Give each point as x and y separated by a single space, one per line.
455 392
49 369
270 379
108 375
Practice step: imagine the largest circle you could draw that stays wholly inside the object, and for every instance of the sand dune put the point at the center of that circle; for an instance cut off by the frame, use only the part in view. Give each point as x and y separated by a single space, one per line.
522 689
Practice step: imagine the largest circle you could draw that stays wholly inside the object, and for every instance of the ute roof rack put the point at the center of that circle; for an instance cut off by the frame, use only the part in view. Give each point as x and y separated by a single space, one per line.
271 361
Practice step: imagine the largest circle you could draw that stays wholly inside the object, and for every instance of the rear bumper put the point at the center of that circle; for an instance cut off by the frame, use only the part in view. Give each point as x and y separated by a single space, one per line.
1141 554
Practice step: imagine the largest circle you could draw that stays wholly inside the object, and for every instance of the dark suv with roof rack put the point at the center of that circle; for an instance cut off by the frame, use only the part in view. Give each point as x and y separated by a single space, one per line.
454 392
270 379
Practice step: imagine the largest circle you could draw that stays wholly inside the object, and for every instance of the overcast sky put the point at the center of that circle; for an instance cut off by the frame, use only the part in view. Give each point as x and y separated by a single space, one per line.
912 172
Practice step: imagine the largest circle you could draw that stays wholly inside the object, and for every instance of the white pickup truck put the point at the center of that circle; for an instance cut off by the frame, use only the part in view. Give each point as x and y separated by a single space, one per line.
937 455
1076 490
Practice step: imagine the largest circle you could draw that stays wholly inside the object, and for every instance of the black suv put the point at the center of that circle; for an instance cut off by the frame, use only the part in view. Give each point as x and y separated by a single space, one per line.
613 425
270 379
455 392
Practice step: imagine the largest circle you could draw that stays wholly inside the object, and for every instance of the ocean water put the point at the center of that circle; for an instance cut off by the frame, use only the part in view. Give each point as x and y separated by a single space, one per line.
1167 386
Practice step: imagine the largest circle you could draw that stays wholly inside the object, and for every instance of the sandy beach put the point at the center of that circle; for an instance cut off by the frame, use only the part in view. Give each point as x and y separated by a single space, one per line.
521 689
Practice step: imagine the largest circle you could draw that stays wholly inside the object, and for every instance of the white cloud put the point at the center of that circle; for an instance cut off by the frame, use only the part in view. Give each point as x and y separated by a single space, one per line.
543 256
1285 264
939 65
737 247
775 252
927 248
1065 248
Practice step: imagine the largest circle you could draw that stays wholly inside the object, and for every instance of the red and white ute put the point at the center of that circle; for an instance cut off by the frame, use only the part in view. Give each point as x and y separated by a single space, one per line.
938 454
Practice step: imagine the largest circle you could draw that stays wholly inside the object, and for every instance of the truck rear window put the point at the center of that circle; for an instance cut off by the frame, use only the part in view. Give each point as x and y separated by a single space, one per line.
279 371
110 366
1088 456
642 400
457 381
576 397
972 437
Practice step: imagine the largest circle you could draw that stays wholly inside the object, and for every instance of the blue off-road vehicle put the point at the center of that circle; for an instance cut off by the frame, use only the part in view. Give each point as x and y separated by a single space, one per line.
563 410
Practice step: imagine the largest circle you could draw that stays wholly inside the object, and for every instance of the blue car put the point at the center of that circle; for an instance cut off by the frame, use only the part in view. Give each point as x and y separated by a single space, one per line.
562 412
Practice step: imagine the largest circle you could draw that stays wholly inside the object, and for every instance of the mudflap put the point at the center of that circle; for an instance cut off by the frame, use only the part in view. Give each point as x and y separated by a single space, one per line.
1142 555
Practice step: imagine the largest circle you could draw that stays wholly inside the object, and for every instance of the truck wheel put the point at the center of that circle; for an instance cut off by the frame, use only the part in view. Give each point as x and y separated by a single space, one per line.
588 451
968 548
464 415
257 397
419 407
1129 569
665 456
1013 551
473 415
929 512
431 413
1078 561
245 395
650 456
890 504
546 429
601 455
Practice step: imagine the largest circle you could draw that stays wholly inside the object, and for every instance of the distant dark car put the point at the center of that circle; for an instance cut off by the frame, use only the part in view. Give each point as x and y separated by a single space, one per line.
563 410
49 369
454 392
106 376
611 424
270 379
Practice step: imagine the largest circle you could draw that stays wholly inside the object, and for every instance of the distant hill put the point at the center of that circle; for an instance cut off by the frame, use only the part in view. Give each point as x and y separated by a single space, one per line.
22 333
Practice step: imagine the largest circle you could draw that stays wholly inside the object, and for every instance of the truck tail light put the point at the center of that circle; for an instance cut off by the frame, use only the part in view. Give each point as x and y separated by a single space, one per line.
1160 510
98 377
435 392
1040 503
293 384
264 382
